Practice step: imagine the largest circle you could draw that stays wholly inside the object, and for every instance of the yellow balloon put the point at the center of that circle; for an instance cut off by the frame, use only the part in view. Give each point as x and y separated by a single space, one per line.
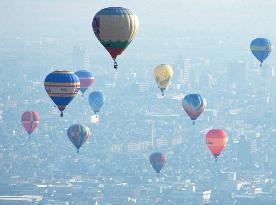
163 74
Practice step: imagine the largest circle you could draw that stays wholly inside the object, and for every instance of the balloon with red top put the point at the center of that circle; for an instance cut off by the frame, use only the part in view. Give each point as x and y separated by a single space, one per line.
30 121
216 140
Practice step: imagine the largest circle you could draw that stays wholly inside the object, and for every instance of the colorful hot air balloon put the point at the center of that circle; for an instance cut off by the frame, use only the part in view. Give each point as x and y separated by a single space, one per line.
30 121
115 28
78 134
96 101
216 140
163 74
261 48
86 79
62 87
194 105
157 161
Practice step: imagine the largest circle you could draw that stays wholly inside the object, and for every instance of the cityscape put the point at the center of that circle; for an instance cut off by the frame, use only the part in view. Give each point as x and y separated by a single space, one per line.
113 166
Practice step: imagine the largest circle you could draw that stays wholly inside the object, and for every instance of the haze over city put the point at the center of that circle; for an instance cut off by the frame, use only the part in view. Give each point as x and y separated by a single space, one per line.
206 43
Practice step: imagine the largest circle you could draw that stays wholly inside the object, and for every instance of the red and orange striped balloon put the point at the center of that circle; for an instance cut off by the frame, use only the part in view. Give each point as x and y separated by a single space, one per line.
216 140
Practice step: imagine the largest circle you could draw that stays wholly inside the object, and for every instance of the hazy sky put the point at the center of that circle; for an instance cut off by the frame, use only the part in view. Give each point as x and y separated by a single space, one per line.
55 17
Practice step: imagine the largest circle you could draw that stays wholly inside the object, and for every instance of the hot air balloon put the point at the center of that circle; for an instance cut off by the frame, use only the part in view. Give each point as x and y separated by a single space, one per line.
261 48
30 121
62 87
163 74
96 101
194 105
216 140
78 134
115 28
157 161
86 79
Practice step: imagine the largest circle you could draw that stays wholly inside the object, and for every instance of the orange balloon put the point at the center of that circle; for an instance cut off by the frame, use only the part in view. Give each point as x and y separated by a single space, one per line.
216 141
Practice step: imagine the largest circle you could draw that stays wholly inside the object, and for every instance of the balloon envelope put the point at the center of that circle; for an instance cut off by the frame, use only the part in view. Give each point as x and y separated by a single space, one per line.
261 48
78 134
157 161
62 87
216 140
115 28
86 79
163 74
30 121
96 100
194 105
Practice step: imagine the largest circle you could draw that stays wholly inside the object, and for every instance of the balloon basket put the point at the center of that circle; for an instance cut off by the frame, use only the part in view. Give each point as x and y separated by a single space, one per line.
95 119
115 65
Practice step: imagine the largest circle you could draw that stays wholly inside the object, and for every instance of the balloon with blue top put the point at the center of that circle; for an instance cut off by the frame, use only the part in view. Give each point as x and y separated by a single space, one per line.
87 78
261 48
62 86
96 101
194 105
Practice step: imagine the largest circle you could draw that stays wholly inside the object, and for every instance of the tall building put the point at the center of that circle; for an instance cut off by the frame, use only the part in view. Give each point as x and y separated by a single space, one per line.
185 71
145 145
244 152
161 143
86 60
78 58
223 191
267 71
116 148
236 75
133 147
253 146
116 76
143 87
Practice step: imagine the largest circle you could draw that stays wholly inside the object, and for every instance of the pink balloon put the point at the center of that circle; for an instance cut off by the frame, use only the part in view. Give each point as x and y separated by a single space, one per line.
30 121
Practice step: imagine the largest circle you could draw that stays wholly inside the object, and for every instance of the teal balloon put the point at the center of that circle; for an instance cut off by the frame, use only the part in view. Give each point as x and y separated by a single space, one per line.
78 134
96 101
